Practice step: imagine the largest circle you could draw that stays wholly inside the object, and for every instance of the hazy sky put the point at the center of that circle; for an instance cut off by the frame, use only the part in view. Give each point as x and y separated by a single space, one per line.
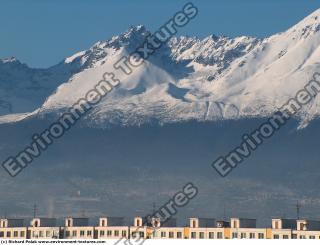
43 32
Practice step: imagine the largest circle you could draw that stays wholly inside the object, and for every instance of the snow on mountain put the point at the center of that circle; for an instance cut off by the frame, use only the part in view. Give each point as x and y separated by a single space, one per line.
267 77
24 89
187 79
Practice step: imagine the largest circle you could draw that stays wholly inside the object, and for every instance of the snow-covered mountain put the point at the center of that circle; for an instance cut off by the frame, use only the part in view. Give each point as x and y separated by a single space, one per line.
187 79
24 89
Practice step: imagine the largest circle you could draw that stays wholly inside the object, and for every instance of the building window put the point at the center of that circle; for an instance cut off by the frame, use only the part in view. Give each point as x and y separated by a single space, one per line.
193 224
201 235
219 235
15 234
81 233
302 237
22 234
276 225
235 224
124 233
301 226
138 222
243 235
103 223
285 237
48 233
67 233
101 233
260 235
55 234
171 234
276 236
252 235
74 233
1 234
40 233
193 235
141 234
294 236
116 233
8 234
109 233
211 235
179 234
234 235
312 237
163 234
89 233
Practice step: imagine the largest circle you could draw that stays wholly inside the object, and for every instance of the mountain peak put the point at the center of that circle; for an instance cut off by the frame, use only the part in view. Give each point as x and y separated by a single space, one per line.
132 38
133 30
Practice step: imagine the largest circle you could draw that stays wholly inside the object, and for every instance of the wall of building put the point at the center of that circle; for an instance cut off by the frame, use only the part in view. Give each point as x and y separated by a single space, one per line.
43 232
78 232
148 232
111 232
13 232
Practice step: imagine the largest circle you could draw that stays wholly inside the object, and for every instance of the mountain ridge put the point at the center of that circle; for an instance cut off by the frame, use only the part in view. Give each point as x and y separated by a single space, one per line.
187 79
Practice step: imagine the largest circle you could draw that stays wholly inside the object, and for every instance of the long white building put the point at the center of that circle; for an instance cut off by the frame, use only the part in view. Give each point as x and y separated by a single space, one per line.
197 228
